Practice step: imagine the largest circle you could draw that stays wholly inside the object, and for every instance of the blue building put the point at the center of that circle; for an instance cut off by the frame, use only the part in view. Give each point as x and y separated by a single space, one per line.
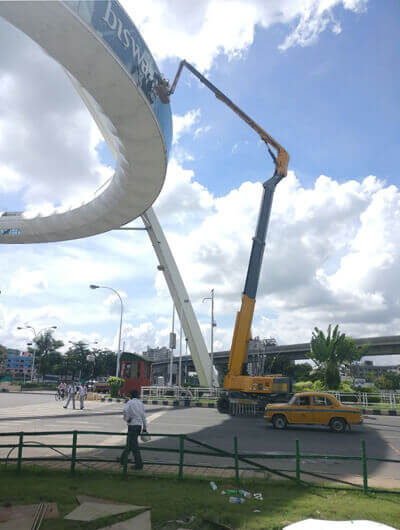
18 364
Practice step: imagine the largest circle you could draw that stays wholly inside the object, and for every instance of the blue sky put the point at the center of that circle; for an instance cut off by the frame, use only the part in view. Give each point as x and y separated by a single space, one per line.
329 97
334 105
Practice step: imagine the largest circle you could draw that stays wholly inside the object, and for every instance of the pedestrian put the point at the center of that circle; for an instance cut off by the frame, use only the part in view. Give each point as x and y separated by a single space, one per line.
82 394
61 389
135 417
71 391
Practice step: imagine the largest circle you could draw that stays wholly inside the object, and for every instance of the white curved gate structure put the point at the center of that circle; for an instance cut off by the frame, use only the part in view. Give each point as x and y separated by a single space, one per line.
112 69
116 76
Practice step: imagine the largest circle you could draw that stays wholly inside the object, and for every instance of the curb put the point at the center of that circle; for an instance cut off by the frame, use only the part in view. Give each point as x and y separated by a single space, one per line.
113 400
179 403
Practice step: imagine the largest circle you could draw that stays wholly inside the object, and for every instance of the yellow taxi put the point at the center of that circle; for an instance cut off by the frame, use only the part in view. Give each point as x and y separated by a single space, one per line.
313 408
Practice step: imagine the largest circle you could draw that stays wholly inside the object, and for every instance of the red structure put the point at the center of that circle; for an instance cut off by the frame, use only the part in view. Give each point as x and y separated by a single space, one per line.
136 372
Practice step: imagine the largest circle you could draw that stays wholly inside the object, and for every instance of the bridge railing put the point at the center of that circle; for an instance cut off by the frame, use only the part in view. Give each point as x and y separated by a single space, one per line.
177 393
384 400
370 400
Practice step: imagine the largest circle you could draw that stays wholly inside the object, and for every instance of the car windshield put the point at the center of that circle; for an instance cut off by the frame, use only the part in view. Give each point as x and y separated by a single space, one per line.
292 400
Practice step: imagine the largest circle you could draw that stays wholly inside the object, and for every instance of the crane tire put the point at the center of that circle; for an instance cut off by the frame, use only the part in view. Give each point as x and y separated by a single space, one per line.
223 405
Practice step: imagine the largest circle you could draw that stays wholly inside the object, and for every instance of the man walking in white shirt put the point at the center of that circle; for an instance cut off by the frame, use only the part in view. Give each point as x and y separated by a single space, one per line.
135 417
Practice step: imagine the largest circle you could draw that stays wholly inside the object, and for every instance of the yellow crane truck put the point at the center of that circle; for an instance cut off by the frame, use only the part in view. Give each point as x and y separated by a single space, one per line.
243 393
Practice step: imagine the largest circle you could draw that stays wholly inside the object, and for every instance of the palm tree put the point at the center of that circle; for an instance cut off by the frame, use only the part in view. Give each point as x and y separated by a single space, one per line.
332 351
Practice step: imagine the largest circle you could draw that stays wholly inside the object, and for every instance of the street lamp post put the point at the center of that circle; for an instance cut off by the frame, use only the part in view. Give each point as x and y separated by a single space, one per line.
35 335
213 324
120 322
91 358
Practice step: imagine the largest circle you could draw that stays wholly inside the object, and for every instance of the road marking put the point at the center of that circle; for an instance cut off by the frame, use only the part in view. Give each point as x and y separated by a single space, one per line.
118 440
394 448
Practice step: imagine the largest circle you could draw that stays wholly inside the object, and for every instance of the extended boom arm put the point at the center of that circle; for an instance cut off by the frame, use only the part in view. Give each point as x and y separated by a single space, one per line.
282 157
244 318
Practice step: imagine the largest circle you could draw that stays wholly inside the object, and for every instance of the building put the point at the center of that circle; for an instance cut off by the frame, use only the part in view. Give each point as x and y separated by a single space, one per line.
3 355
362 370
157 354
18 364
135 371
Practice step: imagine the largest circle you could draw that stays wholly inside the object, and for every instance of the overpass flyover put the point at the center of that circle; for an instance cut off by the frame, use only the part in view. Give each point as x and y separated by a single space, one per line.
294 352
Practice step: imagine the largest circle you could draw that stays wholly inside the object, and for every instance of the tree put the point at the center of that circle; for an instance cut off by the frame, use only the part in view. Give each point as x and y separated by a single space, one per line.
45 350
388 381
333 351
105 364
302 371
278 364
76 360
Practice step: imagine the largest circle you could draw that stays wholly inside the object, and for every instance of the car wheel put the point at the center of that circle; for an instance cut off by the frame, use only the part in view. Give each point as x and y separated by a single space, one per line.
279 422
337 425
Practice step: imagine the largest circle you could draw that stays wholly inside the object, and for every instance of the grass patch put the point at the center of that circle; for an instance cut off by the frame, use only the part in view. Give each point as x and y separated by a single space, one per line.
172 499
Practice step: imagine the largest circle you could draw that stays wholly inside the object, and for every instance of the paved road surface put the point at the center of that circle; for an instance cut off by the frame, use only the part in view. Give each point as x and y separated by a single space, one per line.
382 436
9 400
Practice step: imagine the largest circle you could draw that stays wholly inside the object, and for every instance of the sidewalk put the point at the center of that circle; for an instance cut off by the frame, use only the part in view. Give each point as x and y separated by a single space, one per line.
54 409
374 481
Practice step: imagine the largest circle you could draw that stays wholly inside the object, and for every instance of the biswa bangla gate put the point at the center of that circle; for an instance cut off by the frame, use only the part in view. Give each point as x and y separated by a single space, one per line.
113 71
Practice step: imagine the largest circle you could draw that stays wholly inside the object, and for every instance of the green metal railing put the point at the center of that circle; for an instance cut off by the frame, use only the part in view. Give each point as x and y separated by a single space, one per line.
203 449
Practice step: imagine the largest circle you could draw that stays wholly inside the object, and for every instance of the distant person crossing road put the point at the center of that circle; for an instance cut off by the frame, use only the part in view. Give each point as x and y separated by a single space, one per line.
71 391
82 394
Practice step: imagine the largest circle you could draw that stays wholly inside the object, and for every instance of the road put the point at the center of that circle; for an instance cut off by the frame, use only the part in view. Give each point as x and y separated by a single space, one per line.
381 434
11 400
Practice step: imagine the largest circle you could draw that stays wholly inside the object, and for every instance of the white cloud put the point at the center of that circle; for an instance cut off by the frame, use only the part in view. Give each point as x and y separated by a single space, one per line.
10 180
138 338
27 281
184 124
332 257
182 198
114 304
199 32
47 137
202 130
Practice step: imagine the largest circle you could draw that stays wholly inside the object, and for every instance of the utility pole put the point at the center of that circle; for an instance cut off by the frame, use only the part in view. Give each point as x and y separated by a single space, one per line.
213 324
180 352
172 345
